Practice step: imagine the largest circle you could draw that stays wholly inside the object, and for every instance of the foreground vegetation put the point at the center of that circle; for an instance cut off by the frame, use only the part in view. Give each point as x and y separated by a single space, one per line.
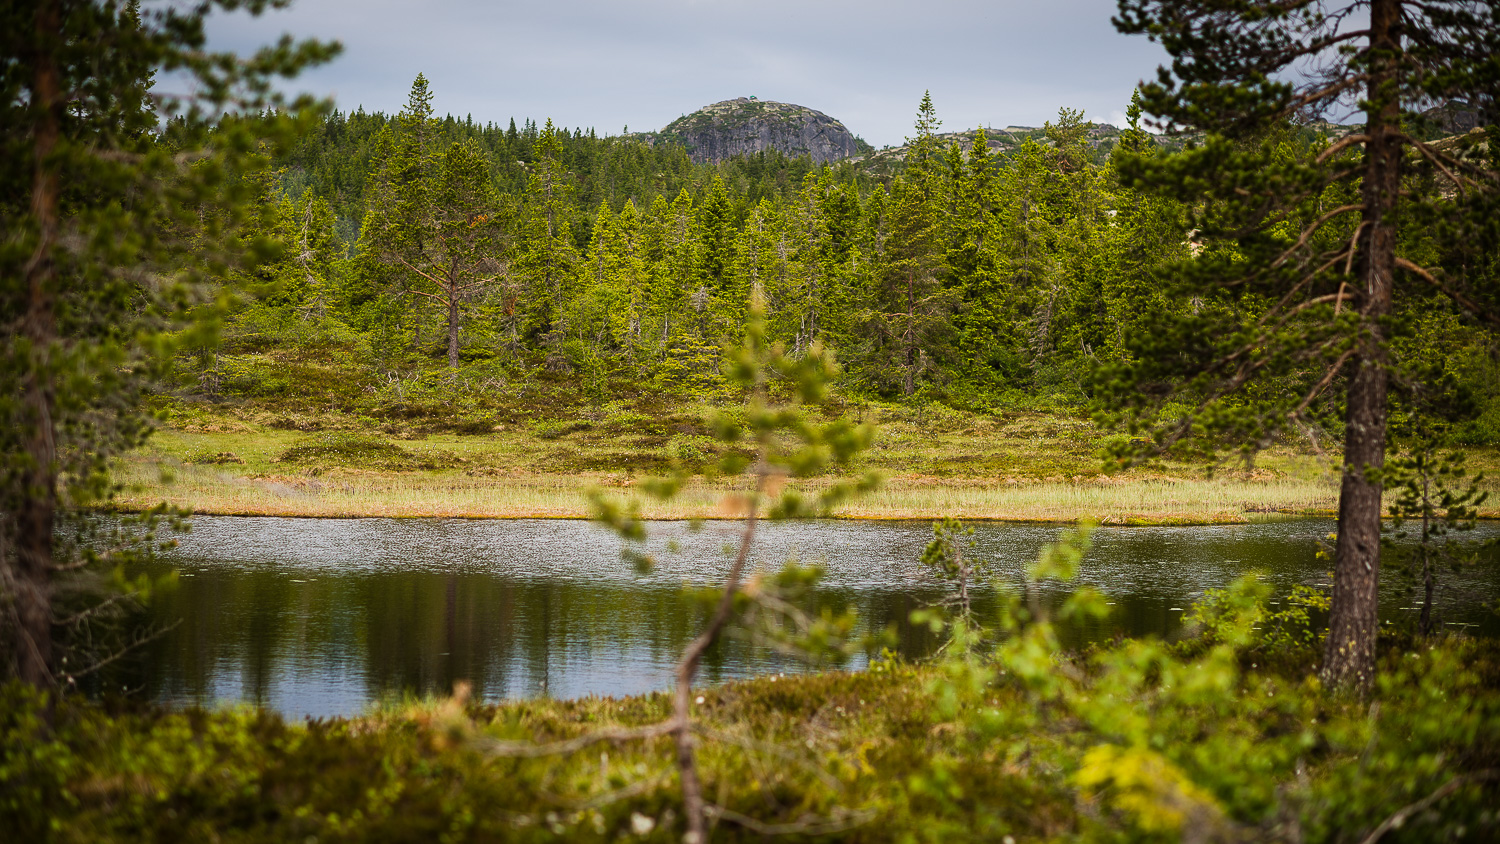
1142 741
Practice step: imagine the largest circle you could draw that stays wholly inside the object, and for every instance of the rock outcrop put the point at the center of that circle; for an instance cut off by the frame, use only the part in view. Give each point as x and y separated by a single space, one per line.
746 125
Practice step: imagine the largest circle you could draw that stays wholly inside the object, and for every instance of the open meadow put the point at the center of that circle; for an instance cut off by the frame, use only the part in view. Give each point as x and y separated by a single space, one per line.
1023 466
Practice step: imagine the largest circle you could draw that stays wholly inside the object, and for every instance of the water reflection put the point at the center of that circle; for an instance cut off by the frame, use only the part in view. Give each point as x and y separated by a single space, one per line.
320 617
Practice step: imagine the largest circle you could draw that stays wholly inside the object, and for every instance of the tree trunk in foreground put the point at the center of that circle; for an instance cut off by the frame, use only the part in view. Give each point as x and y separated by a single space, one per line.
35 511
1349 653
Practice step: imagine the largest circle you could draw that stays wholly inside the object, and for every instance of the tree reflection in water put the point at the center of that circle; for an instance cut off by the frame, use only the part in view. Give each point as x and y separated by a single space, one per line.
322 617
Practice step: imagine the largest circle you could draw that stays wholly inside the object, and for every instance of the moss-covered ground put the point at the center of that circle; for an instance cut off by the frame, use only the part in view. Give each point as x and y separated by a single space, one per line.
902 753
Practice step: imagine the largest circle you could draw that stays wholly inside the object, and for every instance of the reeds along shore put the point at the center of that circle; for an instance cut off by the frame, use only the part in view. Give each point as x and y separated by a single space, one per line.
449 494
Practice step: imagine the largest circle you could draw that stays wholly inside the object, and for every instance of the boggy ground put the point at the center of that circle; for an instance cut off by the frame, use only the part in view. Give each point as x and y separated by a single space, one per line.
303 431
1023 466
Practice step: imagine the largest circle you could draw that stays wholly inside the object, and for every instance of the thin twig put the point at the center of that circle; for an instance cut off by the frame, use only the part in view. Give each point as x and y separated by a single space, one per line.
531 750
806 825
1465 302
1444 790
122 652
687 668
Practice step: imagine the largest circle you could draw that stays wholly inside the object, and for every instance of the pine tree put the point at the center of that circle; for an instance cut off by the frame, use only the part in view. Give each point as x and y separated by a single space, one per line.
435 227
111 233
1301 298
1150 236
1028 223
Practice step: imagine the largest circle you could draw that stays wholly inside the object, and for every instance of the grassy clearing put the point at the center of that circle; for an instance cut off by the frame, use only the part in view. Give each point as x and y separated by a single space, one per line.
250 460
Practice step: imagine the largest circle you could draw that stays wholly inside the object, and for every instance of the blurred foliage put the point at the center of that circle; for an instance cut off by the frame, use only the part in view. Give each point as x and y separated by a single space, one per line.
1139 741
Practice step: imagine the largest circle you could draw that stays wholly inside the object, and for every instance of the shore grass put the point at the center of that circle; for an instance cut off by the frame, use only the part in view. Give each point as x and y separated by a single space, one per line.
1023 466
213 489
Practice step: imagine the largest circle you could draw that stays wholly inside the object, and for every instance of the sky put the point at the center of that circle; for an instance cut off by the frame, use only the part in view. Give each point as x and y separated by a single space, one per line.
639 64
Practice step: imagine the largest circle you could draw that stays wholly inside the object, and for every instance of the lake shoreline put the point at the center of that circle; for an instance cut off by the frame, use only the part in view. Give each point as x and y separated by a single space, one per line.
1128 521
1146 501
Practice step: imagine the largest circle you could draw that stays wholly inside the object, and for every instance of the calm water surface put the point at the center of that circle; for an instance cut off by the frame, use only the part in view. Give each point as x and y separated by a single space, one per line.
322 617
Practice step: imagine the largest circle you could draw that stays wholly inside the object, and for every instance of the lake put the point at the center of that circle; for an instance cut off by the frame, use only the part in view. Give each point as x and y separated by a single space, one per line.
322 617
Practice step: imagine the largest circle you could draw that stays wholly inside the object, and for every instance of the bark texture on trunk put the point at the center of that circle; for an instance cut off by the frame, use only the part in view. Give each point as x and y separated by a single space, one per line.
35 511
453 327
1349 653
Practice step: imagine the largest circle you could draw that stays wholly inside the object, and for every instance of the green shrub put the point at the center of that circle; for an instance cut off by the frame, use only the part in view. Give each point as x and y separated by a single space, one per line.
355 450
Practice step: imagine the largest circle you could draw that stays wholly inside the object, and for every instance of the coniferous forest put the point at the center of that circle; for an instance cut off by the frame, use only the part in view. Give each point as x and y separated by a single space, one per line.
1074 483
975 278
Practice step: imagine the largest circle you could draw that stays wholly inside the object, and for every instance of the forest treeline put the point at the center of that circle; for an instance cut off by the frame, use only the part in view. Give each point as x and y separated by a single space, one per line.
978 278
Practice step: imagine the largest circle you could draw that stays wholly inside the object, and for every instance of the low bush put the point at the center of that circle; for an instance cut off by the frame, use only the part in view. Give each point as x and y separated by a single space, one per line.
353 450
1140 741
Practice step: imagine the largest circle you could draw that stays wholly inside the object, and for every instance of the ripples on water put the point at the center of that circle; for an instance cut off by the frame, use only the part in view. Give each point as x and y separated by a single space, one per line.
321 617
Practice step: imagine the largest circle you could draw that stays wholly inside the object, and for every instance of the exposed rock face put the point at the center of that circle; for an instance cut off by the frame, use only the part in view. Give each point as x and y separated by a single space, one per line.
1455 117
743 126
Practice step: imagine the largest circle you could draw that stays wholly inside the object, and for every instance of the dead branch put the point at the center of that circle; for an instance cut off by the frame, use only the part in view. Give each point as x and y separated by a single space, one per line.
1338 146
439 282
805 825
1354 245
97 609
121 653
1444 790
1463 301
1310 230
1431 155
1322 384
531 750
1437 156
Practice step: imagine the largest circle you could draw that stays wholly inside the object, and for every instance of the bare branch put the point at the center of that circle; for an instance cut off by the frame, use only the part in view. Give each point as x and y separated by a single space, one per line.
1322 384
1312 229
1338 146
1463 301
805 825
439 282
531 750
687 769
1437 162
1444 790
120 654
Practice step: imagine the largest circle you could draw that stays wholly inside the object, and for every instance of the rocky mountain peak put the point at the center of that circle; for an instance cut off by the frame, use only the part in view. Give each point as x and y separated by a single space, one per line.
746 125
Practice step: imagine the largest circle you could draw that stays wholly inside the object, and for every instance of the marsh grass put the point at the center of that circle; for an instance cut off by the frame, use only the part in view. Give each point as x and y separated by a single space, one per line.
227 490
1016 466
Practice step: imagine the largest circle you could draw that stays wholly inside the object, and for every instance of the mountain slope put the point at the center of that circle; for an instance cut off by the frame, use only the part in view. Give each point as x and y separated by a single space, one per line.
745 125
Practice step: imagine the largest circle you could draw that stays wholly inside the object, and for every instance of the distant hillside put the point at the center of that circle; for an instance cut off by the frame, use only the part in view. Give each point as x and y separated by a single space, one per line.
1102 138
745 126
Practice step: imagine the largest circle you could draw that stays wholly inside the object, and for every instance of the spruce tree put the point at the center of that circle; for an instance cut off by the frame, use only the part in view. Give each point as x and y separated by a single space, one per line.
1307 251
547 254
973 266
715 229
435 226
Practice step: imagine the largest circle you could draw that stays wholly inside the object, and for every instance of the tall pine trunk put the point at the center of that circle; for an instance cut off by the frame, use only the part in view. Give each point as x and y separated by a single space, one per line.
1349 654
35 512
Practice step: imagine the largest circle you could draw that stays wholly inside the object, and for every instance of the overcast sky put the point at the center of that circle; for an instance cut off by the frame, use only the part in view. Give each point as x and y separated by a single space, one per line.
609 64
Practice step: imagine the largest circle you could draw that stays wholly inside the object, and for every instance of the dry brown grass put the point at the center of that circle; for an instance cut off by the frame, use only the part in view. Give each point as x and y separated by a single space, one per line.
1019 466
451 494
